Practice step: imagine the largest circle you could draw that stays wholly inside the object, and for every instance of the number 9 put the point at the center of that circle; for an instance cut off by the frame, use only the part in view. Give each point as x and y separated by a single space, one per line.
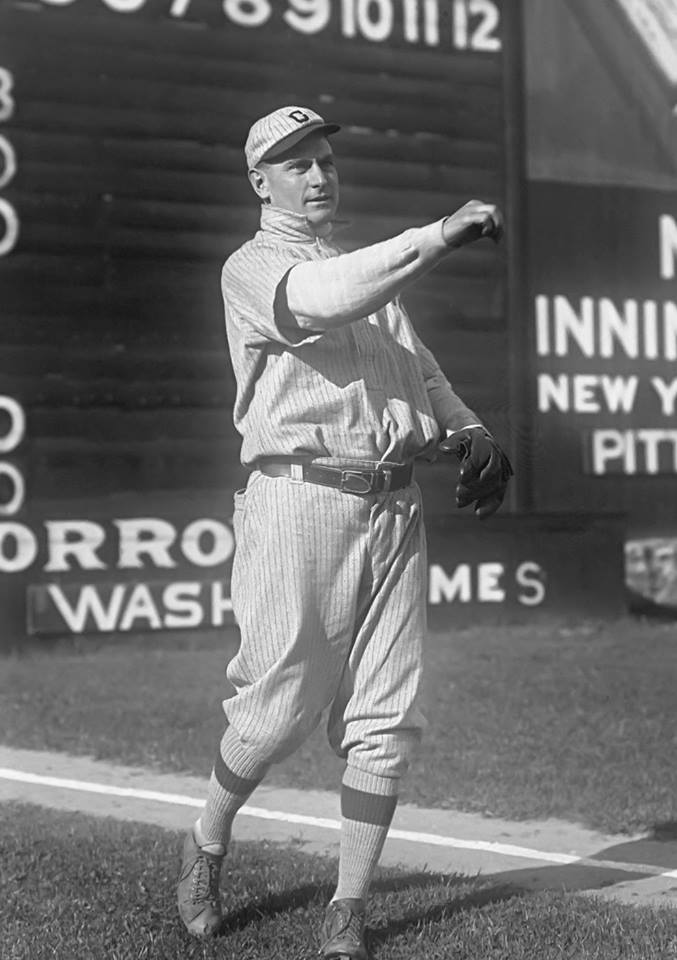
308 16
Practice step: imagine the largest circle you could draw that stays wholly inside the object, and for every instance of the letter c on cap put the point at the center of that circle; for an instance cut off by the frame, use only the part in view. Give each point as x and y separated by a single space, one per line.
299 116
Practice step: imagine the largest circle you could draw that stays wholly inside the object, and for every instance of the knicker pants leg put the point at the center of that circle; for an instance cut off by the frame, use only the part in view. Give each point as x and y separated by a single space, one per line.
295 587
374 721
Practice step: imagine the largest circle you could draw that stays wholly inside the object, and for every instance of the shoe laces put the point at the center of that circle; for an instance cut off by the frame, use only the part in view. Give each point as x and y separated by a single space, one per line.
354 926
206 879
351 922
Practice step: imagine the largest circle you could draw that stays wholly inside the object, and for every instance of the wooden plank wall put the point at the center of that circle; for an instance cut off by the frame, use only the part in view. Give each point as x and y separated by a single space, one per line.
130 189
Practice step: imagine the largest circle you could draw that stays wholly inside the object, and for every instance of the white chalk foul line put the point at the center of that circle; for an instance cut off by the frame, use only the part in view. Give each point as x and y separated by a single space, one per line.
434 839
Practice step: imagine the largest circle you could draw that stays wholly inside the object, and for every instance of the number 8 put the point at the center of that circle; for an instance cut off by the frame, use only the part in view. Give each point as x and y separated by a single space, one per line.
247 13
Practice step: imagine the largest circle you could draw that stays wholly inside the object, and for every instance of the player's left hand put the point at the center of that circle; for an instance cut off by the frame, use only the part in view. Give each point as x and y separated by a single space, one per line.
485 469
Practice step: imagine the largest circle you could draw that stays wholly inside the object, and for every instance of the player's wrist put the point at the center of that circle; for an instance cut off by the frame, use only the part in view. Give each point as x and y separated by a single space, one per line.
451 235
450 431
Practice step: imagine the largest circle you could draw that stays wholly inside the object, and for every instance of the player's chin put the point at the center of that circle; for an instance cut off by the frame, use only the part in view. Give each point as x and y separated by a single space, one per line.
319 212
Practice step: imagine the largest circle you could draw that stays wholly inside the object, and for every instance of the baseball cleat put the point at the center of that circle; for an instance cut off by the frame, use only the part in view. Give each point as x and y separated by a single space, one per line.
198 895
343 931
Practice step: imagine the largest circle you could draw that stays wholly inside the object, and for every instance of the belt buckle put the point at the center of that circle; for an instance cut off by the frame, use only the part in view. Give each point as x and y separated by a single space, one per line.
365 481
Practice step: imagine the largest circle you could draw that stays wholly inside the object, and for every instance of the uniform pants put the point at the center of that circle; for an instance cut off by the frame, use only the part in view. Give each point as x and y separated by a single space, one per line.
328 589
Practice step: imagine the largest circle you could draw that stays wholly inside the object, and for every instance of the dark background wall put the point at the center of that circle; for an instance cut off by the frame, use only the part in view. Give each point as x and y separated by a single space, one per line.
130 190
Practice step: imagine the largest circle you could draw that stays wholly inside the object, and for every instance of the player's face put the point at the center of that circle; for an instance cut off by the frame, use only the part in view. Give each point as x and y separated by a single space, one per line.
303 180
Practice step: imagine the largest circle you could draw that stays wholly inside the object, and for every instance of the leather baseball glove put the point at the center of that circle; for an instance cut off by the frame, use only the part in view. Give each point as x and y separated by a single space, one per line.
485 469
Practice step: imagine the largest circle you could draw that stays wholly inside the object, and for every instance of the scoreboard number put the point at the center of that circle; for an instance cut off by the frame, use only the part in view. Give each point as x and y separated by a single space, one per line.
248 13
472 25
8 215
12 485
8 167
308 16
480 36
10 236
125 6
6 98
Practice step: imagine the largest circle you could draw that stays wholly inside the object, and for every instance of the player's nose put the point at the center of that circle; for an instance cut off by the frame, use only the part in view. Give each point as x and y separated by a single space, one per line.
317 175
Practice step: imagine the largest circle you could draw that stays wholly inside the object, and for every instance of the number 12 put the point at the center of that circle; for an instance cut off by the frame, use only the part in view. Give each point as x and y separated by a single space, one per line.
482 35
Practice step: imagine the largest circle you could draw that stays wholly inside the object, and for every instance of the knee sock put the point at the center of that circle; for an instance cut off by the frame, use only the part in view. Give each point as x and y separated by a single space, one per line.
235 776
367 806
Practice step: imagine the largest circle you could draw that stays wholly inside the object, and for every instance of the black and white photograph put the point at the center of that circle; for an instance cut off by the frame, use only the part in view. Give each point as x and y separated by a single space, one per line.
338 479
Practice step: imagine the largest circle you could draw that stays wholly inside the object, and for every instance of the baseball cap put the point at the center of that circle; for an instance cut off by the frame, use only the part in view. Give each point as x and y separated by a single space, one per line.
281 129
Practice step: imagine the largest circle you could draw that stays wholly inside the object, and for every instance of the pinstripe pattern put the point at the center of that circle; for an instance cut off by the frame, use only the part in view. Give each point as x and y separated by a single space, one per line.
328 589
280 129
367 389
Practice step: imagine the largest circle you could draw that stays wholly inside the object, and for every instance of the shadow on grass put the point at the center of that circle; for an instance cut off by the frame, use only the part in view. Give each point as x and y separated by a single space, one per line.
665 831
652 855
439 912
276 903
320 894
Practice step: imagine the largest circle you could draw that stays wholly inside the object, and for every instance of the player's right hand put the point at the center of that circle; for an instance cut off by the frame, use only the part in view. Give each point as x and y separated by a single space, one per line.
473 220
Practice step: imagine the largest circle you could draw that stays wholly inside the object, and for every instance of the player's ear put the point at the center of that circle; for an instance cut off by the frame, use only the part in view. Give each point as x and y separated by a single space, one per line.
259 182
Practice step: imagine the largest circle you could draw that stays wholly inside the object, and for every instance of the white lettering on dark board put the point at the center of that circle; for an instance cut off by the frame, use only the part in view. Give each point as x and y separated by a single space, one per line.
472 25
486 583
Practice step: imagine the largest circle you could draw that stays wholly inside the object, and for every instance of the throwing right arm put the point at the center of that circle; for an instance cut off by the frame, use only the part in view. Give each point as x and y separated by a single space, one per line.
327 293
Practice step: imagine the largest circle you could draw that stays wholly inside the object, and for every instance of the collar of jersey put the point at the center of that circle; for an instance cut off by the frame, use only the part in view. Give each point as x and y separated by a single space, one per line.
293 226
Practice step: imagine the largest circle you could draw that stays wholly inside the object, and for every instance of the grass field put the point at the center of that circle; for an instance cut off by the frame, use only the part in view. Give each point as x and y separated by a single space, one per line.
75 888
572 722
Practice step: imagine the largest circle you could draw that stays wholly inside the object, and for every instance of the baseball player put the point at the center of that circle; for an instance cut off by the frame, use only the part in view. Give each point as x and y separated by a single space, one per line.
336 398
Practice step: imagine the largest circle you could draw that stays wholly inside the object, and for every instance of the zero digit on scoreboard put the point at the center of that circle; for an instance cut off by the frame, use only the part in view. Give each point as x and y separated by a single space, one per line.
8 166
6 98
12 434
8 214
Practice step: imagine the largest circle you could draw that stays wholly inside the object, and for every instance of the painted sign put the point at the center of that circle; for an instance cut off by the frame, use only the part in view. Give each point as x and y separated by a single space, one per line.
138 607
604 285
472 25
515 568
146 574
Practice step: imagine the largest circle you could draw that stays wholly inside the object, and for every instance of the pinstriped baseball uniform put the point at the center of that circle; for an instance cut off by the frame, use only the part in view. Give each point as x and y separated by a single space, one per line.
328 587
336 396
366 389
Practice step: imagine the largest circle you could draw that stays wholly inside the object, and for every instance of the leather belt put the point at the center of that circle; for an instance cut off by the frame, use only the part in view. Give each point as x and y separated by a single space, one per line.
347 479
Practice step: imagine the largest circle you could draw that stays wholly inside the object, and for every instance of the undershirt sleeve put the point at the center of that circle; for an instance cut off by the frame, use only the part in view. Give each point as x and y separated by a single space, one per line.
322 294
450 411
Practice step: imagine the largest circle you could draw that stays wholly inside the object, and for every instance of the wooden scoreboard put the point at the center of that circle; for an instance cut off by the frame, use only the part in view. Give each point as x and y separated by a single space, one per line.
123 189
